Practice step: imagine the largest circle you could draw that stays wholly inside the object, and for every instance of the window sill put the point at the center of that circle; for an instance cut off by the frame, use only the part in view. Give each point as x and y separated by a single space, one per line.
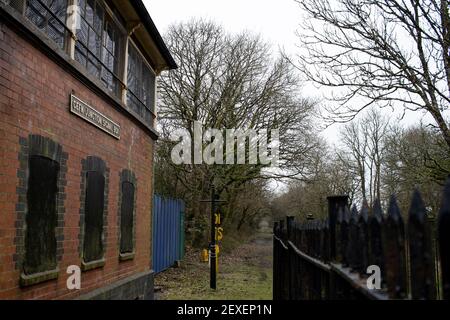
126 256
33 279
86 266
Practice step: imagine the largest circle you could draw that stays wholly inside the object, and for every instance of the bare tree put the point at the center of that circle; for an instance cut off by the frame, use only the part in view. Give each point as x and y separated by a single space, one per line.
333 175
383 52
416 157
228 81
356 145
232 81
364 143
376 128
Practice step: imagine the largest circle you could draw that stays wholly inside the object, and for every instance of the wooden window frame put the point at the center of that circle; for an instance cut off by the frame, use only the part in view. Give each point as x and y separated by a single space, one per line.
67 33
152 109
108 18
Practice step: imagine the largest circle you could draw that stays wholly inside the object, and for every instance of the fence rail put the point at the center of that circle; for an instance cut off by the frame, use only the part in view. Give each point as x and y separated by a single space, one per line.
328 259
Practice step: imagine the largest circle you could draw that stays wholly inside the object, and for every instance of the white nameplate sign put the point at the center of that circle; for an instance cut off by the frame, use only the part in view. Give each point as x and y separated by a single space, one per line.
86 112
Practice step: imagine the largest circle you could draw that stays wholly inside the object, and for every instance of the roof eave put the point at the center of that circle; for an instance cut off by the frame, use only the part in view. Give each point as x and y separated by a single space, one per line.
149 25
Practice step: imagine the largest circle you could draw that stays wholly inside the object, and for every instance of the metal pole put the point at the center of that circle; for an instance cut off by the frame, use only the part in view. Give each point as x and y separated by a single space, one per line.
212 245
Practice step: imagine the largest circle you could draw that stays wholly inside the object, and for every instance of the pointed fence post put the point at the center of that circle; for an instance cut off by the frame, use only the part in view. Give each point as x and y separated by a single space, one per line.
326 241
444 240
282 262
309 241
339 227
345 236
289 227
423 282
334 203
376 254
299 235
302 243
394 244
290 257
353 250
276 262
317 231
326 258
363 237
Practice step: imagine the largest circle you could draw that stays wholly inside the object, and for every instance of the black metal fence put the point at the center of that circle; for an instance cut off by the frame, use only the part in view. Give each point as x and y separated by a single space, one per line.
328 259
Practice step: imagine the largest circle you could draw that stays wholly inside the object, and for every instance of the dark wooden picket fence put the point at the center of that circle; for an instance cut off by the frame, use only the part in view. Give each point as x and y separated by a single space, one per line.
328 259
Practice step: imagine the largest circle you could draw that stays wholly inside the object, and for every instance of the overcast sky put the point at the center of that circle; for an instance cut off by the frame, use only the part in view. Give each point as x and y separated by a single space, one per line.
275 20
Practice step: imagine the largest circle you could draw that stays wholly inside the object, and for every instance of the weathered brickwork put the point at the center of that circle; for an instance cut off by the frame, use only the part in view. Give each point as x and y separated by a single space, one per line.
34 102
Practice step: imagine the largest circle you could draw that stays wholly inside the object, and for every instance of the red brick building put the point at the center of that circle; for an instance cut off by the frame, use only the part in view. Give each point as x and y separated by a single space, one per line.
77 133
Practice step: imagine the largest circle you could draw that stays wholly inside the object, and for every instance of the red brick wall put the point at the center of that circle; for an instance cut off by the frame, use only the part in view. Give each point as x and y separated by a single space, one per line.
34 99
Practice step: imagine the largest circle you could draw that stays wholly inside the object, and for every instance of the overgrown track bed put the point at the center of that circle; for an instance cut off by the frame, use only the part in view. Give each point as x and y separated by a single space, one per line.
245 273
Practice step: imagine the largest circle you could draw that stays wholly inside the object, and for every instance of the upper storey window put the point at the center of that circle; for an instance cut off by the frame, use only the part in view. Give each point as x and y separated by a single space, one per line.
50 17
141 86
95 35
98 44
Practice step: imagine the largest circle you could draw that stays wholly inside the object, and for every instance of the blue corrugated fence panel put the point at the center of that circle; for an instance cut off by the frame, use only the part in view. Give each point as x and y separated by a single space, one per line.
167 232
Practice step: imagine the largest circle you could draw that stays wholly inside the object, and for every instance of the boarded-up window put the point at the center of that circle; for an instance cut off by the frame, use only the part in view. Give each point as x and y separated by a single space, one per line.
127 217
93 233
41 219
